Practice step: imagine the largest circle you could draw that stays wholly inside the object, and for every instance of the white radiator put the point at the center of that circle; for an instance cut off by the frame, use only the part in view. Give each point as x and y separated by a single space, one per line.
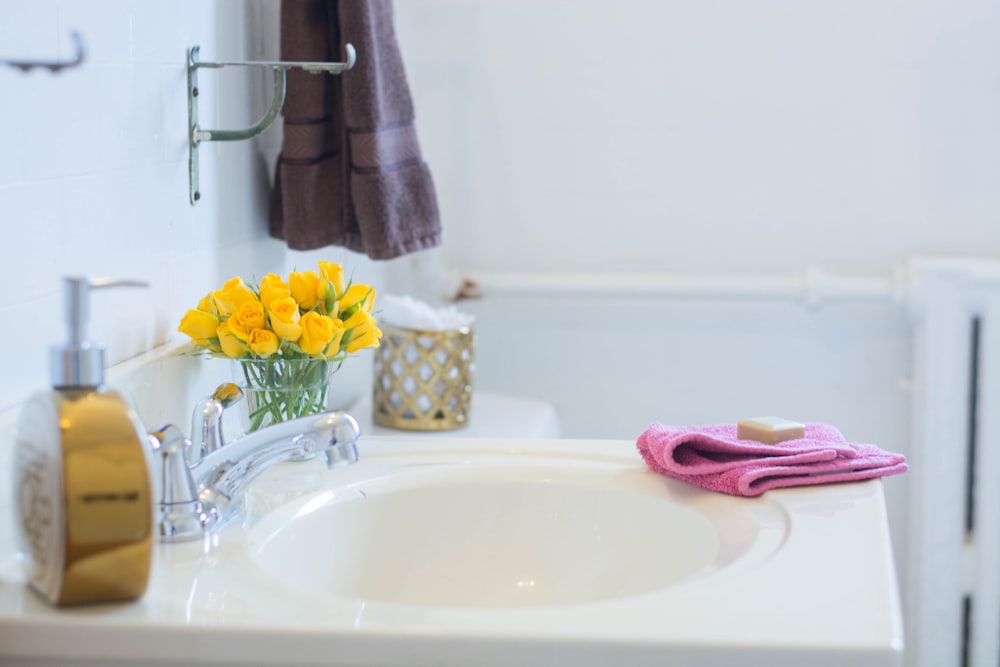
953 582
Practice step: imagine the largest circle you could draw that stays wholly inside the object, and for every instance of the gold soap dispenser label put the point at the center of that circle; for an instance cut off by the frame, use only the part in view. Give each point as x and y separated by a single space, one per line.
38 488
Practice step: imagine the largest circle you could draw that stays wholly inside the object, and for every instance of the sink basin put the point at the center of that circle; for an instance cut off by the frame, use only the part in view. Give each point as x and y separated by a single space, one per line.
498 553
492 534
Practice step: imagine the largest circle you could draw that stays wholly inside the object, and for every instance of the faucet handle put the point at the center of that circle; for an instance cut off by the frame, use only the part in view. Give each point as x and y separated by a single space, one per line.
181 513
206 422
227 394
169 445
343 433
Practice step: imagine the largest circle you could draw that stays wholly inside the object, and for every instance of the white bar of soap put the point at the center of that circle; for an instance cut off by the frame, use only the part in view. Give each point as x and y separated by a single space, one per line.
769 430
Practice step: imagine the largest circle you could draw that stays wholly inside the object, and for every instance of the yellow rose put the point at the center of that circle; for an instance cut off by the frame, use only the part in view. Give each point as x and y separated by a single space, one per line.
272 288
303 286
330 286
317 332
250 316
237 328
230 344
199 325
206 304
285 318
357 297
333 274
233 293
363 332
333 347
262 342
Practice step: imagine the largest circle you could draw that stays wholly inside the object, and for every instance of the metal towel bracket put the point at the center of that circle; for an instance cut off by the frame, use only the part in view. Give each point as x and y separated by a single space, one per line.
196 134
54 66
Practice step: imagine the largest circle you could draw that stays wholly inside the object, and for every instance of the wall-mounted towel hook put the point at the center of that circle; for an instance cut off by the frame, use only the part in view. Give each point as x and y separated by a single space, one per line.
54 66
196 134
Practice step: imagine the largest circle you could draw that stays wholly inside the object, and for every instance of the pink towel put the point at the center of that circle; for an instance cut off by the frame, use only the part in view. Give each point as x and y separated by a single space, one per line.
713 458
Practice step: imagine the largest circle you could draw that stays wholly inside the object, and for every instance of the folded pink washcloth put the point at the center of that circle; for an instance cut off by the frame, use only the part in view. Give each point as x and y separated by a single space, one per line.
713 458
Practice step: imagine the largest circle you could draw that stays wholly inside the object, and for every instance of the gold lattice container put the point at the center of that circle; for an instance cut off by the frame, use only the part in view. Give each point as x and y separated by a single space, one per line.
423 379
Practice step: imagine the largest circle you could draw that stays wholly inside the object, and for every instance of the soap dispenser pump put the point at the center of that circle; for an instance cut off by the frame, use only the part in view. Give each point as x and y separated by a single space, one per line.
82 481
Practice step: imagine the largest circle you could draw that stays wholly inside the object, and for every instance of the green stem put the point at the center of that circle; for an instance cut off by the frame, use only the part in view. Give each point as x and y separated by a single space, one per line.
284 389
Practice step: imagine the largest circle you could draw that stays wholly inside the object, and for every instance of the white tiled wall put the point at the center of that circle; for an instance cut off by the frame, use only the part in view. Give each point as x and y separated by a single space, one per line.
93 171
94 181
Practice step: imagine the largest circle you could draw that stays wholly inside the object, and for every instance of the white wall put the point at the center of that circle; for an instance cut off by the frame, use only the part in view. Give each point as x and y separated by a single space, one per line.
708 137
645 137
93 171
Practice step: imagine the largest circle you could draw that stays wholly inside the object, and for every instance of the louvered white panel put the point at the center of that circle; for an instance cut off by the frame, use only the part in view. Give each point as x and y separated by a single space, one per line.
984 577
938 460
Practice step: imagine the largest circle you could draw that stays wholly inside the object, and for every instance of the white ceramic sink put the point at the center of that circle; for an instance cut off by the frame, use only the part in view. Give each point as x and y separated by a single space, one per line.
490 553
490 533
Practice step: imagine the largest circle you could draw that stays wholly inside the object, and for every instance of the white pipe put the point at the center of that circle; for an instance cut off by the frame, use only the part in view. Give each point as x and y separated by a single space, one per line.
812 287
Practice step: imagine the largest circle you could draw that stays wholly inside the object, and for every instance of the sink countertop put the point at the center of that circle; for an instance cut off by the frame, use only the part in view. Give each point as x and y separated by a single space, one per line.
824 594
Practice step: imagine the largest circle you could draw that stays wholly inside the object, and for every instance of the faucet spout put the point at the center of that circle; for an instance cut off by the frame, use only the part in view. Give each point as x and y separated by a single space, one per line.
219 480
224 475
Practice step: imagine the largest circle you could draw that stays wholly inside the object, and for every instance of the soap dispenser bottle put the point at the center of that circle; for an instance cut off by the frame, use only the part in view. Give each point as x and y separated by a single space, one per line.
82 481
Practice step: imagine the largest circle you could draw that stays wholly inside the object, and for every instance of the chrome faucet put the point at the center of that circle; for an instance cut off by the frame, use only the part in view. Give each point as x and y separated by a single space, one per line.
202 484
206 422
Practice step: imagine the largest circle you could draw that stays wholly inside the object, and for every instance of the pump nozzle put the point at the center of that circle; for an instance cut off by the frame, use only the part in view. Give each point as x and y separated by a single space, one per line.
80 363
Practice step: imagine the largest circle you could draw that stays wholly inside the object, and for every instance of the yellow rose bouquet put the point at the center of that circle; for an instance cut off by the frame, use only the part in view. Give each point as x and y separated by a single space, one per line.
285 337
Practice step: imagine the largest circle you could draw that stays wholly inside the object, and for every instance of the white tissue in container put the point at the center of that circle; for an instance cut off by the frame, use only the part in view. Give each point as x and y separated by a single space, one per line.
407 313
423 367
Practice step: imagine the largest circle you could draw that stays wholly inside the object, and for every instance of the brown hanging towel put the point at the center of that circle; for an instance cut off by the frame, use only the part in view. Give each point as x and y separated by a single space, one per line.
350 171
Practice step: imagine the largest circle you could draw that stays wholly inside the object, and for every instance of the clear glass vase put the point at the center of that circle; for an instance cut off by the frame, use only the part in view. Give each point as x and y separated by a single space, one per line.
276 390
